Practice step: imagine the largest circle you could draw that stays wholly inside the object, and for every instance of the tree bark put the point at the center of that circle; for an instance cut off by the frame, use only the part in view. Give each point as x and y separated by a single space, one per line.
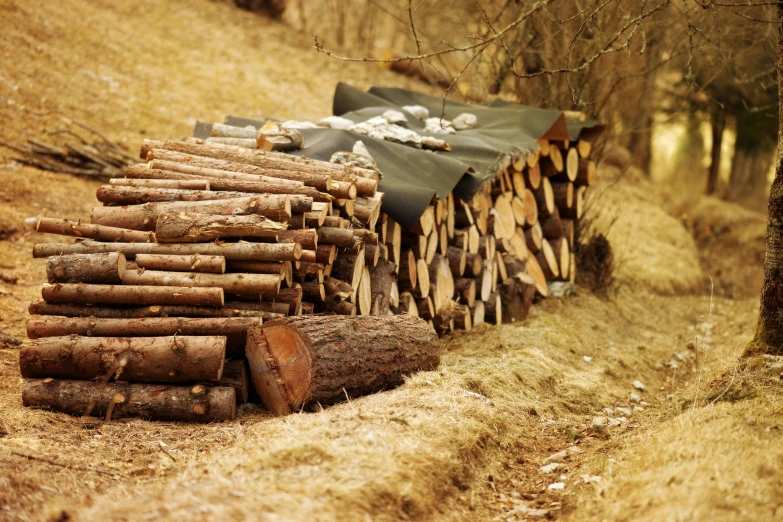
199 403
382 275
769 332
133 295
176 359
718 124
189 184
302 362
236 374
517 295
185 227
104 269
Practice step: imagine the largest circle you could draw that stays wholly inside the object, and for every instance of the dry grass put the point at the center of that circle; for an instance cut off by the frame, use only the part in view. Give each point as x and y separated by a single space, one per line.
456 444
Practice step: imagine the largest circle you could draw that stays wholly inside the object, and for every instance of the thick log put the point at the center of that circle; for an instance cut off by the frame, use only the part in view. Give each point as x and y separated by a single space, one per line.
584 148
337 305
128 312
348 268
425 309
372 253
394 240
545 198
484 282
364 293
441 278
145 217
433 245
531 209
463 319
564 194
408 274
466 290
132 295
233 328
65 227
341 237
304 362
336 287
575 212
309 272
504 211
533 237
199 403
567 230
517 297
586 173
231 251
520 213
236 374
532 177
474 264
307 238
457 261
563 256
193 263
547 260
189 184
407 305
188 227
487 247
533 268
382 276
493 309
519 244
251 285
478 313
86 268
176 359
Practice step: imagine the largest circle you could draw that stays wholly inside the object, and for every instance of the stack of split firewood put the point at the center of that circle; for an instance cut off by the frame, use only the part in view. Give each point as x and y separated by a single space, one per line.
210 238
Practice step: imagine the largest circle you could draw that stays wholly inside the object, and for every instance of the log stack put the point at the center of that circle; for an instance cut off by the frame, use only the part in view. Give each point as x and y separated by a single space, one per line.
209 239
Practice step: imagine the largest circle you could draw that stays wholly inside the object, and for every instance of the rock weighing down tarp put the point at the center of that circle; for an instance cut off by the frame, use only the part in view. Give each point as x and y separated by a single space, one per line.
411 177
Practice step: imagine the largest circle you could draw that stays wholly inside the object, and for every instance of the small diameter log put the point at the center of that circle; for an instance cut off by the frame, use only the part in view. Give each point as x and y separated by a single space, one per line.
584 148
86 268
519 245
336 287
484 282
564 194
304 362
531 209
505 213
176 359
547 260
193 263
65 227
233 328
382 276
229 309
132 295
145 217
572 163
188 227
466 290
313 291
550 226
545 198
265 285
407 271
563 255
231 251
188 184
372 253
520 213
199 403
309 272
423 282
493 309
424 308
337 305
341 237
236 374
307 238
517 297
518 183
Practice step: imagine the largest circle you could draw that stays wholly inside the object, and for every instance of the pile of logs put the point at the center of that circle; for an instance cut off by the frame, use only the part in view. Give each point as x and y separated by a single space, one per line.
210 239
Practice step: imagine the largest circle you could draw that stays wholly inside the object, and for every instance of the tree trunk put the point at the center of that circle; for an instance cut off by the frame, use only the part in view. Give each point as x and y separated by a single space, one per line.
199 403
176 359
718 124
769 332
302 362
749 170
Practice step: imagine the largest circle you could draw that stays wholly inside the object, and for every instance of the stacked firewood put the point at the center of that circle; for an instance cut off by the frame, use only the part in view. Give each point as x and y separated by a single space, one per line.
190 250
210 238
467 262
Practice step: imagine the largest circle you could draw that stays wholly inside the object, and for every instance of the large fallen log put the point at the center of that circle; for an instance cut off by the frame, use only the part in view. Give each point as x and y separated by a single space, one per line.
301 362
199 403
176 359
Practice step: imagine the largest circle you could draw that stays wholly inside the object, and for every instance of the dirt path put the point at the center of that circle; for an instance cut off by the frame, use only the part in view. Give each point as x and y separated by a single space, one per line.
466 442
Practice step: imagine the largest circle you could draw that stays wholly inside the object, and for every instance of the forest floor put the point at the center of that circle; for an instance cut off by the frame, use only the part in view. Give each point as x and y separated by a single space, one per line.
523 421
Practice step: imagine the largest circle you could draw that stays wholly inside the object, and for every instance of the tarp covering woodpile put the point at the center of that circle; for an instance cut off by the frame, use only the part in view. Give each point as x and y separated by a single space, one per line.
204 278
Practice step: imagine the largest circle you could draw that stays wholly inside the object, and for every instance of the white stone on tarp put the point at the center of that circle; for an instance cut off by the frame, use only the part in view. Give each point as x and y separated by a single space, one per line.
394 117
335 122
465 121
421 113
293 124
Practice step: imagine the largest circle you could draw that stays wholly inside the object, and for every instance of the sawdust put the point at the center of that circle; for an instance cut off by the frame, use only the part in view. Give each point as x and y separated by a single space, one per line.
461 443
